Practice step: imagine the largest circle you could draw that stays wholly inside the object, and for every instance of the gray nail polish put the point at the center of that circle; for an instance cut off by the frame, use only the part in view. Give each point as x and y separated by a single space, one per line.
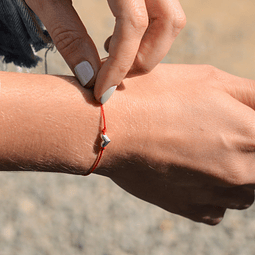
107 94
84 72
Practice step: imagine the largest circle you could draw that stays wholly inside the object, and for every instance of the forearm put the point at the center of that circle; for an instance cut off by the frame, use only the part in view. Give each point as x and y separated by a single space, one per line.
47 124
182 137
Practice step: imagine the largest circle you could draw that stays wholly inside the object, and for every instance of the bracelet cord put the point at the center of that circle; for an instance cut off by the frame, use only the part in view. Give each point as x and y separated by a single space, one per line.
99 156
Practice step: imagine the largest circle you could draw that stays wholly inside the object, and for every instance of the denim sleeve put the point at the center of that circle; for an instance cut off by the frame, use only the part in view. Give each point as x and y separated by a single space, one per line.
21 34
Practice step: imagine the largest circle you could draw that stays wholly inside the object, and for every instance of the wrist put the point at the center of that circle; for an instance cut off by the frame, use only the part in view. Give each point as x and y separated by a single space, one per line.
142 123
127 127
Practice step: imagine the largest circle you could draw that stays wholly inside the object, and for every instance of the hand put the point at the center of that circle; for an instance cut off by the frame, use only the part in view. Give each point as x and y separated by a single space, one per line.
185 140
144 33
70 37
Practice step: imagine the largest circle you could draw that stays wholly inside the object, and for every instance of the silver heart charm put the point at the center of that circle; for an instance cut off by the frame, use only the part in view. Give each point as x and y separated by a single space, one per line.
105 141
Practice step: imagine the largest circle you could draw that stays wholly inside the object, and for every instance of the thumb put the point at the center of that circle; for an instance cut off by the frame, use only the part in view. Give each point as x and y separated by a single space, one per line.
70 37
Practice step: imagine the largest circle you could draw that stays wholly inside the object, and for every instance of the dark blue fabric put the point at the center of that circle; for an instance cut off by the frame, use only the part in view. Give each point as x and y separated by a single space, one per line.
20 30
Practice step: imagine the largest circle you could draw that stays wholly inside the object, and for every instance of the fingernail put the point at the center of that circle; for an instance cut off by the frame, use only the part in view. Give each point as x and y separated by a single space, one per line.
84 72
107 94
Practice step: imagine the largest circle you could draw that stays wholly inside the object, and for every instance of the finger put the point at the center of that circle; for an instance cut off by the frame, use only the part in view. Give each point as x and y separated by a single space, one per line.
233 198
237 198
131 23
107 44
240 99
208 214
242 171
70 37
242 89
167 19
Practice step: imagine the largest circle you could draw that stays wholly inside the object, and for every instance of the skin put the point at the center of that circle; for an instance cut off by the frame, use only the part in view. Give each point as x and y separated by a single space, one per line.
182 136
143 34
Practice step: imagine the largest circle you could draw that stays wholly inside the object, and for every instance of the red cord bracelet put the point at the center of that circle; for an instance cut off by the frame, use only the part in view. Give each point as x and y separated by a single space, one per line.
105 141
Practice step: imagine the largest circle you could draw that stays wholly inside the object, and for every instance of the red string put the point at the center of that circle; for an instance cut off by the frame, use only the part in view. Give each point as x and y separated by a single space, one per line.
103 116
97 160
102 148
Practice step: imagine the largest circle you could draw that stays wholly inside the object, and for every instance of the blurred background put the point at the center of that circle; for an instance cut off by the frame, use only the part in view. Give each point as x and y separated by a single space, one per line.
60 214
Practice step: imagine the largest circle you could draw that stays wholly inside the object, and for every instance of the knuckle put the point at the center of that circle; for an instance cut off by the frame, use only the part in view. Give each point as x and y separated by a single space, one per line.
179 22
211 221
237 164
241 198
249 201
119 66
207 214
139 22
66 41
211 72
123 69
210 68
139 25
246 204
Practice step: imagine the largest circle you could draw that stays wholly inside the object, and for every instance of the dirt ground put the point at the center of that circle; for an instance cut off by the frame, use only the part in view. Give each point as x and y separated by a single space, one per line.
46 213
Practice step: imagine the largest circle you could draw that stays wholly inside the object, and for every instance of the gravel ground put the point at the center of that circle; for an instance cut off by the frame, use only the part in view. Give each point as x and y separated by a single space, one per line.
46 213
60 214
